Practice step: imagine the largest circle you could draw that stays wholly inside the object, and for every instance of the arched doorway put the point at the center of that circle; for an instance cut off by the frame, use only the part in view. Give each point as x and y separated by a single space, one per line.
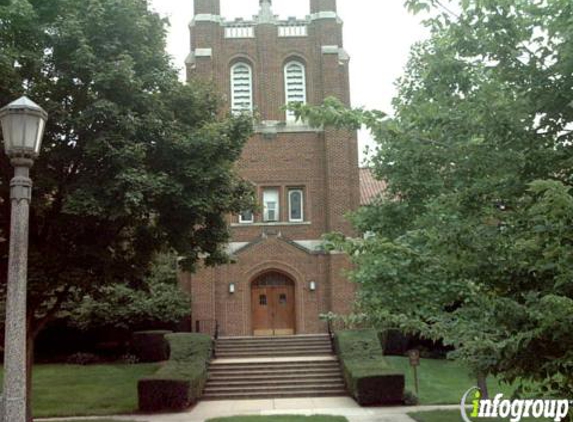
272 304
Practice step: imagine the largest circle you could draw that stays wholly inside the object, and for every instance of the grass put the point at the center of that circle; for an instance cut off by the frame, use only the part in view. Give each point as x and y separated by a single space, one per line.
282 418
453 416
94 390
442 381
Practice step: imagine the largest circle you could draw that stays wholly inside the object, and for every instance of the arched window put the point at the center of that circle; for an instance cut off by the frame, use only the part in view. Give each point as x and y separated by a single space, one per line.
295 205
241 88
295 85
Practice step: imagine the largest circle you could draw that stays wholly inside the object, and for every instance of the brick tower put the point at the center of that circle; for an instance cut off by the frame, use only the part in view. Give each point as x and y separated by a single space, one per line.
306 179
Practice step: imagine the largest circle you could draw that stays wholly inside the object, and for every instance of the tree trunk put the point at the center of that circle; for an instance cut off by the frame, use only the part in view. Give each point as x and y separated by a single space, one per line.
33 328
482 384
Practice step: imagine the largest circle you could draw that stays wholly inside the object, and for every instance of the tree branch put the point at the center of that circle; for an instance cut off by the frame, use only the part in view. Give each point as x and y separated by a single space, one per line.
39 324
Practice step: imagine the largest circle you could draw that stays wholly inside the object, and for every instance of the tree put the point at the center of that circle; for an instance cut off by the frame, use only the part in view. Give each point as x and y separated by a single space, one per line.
133 161
158 299
473 239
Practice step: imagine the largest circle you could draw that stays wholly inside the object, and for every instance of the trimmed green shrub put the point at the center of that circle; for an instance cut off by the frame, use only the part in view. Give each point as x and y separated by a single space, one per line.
368 376
180 382
358 344
151 346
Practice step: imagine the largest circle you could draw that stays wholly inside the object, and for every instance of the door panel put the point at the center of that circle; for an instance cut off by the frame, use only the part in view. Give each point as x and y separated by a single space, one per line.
262 313
273 308
283 322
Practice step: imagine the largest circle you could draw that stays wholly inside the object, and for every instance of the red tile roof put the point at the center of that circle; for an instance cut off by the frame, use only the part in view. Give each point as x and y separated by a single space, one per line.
369 186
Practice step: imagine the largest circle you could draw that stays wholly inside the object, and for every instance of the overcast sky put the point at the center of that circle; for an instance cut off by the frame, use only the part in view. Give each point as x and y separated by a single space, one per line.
378 35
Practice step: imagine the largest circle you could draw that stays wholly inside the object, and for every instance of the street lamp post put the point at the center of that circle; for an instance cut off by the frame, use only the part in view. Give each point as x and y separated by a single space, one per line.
23 123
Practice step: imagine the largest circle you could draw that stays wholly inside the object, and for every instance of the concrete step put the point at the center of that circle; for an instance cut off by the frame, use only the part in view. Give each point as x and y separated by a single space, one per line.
273 353
289 373
279 341
275 382
280 367
239 375
274 338
274 395
253 364
264 348
280 373
299 363
334 386
275 347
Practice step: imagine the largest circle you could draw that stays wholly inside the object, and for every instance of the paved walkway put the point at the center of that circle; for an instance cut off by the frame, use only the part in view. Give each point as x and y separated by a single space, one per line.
339 406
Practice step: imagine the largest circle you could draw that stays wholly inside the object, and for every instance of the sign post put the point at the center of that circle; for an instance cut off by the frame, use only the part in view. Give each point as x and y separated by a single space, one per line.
414 356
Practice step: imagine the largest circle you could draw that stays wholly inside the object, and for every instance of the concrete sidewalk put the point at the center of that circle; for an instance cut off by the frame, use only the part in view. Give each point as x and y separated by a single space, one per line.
337 406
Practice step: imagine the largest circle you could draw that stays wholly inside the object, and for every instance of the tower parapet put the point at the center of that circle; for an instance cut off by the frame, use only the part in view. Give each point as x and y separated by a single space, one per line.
207 7
209 11
317 6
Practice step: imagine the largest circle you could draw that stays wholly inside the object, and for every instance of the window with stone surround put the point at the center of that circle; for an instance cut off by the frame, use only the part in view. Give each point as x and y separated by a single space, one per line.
293 30
247 217
271 205
241 88
296 205
295 86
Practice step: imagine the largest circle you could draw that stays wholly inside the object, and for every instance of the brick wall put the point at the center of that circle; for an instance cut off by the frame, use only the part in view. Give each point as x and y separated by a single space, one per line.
233 311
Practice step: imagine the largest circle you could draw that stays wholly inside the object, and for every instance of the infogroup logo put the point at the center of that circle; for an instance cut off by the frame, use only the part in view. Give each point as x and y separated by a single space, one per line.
513 410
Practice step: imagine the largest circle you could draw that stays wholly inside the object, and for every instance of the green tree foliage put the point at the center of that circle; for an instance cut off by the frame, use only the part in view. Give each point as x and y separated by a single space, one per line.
133 161
473 240
157 300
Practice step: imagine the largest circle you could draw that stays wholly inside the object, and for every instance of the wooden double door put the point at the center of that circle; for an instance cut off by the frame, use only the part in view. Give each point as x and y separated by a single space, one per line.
273 307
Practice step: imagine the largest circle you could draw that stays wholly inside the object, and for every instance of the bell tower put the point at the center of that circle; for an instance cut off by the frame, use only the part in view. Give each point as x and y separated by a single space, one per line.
305 178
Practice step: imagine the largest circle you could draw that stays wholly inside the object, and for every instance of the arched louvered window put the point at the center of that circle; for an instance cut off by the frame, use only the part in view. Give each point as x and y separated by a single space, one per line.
295 85
241 88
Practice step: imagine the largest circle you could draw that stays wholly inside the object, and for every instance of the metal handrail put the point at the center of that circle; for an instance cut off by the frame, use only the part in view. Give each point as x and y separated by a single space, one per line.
331 335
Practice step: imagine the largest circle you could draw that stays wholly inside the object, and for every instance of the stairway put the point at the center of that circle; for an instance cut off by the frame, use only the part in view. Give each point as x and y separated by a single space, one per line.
274 367
249 347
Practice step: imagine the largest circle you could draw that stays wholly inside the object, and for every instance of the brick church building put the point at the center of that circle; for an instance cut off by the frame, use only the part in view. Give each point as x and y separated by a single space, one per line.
306 179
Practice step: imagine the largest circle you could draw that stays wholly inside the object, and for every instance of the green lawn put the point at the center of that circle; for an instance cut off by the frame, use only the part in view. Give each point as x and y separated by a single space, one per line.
73 390
281 418
455 416
442 381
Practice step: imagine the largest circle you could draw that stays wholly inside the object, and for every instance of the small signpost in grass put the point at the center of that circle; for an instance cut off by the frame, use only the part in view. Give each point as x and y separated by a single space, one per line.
414 356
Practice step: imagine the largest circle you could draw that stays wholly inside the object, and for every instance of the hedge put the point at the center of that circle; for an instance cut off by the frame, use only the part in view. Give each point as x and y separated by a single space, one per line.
368 376
180 382
150 346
